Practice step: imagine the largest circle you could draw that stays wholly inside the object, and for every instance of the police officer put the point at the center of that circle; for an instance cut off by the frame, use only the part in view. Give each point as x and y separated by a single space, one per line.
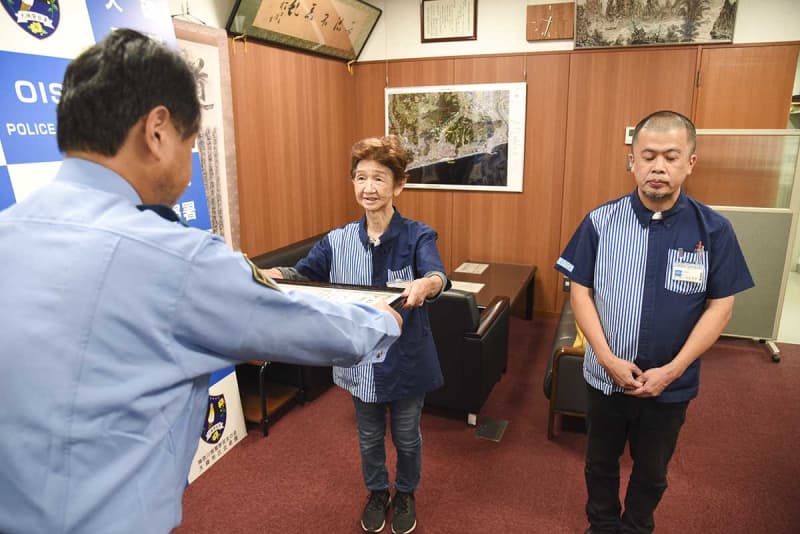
113 316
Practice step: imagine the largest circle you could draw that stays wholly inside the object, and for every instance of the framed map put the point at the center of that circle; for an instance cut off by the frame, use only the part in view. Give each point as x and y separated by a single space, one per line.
468 137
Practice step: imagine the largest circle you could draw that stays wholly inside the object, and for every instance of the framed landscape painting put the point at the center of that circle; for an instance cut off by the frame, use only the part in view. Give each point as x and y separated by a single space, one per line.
468 137
609 23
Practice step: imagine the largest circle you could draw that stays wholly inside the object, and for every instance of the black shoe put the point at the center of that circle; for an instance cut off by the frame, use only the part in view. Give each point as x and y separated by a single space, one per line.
404 519
374 517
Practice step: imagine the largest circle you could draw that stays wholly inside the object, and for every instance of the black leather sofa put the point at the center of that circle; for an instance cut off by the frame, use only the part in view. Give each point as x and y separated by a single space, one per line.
564 385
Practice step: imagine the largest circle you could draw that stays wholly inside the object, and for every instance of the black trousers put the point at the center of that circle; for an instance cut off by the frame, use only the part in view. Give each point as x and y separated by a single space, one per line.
651 428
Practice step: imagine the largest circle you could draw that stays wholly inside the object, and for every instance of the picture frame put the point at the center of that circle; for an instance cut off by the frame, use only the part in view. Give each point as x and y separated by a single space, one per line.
448 20
333 28
465 137
205 49
654 23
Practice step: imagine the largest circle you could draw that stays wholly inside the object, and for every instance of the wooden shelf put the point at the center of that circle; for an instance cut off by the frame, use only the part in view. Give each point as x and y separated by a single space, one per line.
279 399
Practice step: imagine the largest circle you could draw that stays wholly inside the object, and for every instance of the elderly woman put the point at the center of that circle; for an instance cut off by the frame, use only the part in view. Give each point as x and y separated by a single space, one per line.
384 248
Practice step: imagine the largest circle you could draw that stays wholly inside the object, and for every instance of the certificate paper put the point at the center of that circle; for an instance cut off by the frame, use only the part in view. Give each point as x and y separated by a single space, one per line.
472 268
342 293
470 287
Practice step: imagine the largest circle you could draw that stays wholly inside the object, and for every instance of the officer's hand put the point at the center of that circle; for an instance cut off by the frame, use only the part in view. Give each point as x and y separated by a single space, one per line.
385 307
624 373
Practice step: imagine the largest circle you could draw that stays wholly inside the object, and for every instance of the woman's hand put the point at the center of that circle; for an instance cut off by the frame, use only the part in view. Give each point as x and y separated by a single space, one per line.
272 273
418 290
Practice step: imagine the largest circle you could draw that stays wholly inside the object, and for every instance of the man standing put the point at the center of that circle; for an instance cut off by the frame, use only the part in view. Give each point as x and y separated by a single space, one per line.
653 275
113 314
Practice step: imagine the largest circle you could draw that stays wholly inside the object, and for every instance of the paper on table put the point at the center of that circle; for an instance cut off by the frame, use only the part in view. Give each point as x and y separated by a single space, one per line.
472 268
467 286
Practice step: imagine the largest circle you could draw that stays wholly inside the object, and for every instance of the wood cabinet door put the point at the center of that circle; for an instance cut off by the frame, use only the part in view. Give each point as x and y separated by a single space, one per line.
609 91
746 87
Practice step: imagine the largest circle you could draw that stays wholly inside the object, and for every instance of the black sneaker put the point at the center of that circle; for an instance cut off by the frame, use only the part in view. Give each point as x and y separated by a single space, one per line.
374 517
404 519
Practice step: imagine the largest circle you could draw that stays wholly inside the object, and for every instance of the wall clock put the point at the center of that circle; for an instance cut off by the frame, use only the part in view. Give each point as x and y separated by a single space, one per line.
548 22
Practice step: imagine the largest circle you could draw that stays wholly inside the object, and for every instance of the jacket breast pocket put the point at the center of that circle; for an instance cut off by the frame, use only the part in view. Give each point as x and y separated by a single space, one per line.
404 274
687 272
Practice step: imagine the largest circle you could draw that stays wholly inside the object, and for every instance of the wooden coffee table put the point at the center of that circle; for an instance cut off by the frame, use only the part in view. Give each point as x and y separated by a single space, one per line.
511 280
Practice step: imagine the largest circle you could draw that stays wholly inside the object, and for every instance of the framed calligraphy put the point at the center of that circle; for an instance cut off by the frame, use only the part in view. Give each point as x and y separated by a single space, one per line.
206 51
448 20
336 28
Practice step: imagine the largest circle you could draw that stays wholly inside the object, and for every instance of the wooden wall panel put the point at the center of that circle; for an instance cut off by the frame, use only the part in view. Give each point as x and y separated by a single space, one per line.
521 227
296 117
746 87
368 113
410 73
607 92
738 171
434 208
495 69
291 114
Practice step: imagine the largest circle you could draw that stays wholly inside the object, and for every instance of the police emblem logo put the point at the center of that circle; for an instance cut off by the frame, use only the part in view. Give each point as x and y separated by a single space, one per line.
214 425
37 17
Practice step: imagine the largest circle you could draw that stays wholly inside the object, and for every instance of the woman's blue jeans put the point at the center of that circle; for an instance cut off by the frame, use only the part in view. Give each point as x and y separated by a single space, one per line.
404 417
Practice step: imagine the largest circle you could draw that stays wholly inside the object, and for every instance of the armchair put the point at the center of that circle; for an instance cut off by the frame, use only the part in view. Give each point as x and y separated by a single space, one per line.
563 381
473 350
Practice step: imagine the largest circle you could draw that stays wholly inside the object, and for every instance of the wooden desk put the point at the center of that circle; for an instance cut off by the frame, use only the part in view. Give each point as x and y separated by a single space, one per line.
511 280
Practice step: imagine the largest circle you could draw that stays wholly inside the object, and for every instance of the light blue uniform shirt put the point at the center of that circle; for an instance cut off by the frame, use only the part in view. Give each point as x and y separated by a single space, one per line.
112 320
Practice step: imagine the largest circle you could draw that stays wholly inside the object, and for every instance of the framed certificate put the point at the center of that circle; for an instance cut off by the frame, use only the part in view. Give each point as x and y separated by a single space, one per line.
347 293
448 20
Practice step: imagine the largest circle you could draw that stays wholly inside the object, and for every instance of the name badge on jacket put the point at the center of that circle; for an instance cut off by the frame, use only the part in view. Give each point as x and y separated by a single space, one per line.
687 272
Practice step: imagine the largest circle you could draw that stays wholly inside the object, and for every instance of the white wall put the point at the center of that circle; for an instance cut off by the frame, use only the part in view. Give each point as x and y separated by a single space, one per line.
213 12
501 27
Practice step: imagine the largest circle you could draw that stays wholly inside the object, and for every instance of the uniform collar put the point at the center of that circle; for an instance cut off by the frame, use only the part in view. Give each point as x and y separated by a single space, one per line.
391 232
89 174
645 215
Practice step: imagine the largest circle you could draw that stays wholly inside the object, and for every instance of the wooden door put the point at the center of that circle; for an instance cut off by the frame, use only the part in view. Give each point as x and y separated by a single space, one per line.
742 87
746 87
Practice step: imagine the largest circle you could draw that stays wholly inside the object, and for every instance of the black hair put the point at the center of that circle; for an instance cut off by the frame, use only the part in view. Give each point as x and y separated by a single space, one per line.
667 120
116 82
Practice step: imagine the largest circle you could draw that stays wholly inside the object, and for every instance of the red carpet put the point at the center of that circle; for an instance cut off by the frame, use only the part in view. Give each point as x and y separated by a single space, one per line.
735 470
